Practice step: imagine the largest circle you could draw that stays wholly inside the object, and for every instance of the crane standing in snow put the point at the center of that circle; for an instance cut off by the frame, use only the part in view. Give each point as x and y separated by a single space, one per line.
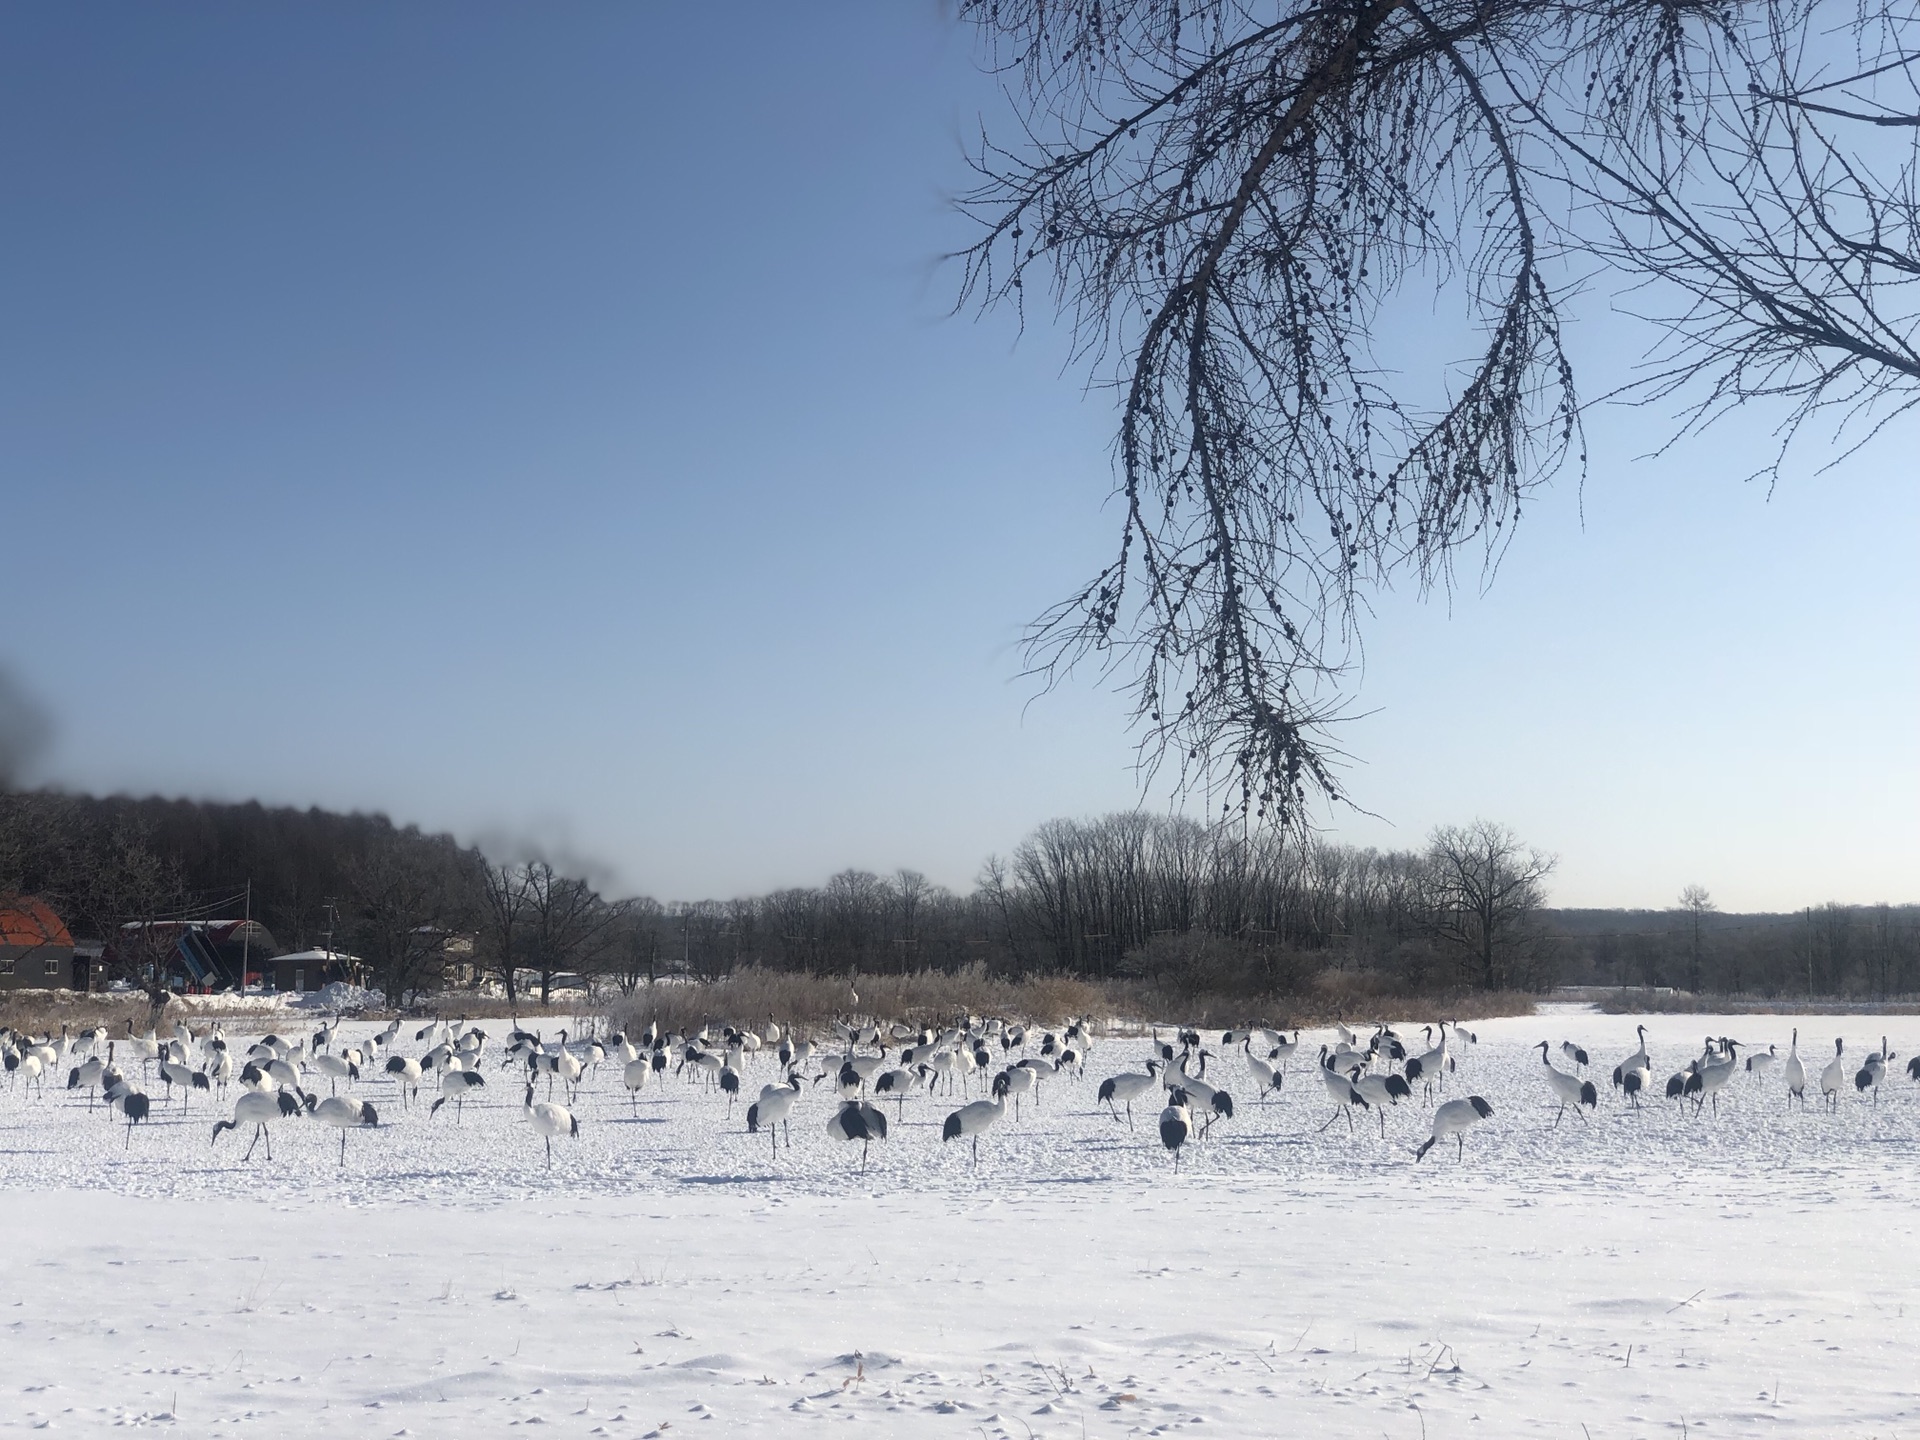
1570 1089
1455 1118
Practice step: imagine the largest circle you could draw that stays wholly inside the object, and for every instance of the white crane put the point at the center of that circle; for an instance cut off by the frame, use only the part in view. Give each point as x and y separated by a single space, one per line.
260 1109
86 1075
1431 1067
336 1068
772 1109
1874 1071
1016 1081
31 1072
1176 1124
1455 1118
1762 1062
1796 1074
1264 1075
407 1072
1570 1089
1125 1088
454 1085
174 1073
975 1119
1341 1088
1381 1091
1574 1053
858 1120
898 1084
633 1075
344 1115
132 1104
1833 1079
1635 1081
548 1120
1714 1076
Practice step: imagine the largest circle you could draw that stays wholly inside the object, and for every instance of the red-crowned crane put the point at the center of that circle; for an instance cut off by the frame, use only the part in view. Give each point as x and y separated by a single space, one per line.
407 1072
1635 1061
1570 1089
260 1109
1128 1087
1874 1071
344 1115
1341 1089
975 1119
858 1120
1833 1079
1796 1074
1455 1118
548 1120
772 1109
1176 1124
454 1085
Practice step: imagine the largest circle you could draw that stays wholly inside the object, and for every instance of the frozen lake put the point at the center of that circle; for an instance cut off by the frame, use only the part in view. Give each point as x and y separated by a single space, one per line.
669 1273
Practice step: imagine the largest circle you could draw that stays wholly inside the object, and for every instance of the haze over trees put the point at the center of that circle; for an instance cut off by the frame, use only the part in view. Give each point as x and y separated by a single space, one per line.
1269 227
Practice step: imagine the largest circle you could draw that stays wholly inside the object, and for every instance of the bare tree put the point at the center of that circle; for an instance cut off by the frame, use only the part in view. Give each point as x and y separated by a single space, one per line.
507 889
411 893
566 925
1695 905
1486 891
1244 210
637 947
131 896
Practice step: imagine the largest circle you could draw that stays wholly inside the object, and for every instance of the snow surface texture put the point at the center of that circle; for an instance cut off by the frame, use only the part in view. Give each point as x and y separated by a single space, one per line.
1641 1274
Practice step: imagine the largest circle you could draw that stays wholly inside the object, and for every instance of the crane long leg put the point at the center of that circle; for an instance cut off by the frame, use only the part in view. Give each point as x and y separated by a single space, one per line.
343 1148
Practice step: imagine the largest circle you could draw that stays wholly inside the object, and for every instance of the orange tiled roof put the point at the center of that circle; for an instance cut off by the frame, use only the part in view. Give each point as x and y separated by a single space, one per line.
31 922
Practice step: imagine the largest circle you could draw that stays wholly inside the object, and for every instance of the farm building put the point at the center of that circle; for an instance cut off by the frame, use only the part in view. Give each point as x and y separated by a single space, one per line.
311 969
36 952
199 955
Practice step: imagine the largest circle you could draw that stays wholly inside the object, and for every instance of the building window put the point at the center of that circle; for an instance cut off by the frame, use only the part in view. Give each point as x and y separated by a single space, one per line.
6 967
53 965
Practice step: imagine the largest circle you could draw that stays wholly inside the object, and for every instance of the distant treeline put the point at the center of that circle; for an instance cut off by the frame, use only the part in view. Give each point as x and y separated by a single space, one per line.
1185 907
1848 951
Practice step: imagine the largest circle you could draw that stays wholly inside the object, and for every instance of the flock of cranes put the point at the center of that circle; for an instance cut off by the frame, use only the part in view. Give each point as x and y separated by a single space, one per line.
860 1067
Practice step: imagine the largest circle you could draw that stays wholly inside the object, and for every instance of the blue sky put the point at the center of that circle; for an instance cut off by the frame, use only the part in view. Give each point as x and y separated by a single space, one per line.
547 422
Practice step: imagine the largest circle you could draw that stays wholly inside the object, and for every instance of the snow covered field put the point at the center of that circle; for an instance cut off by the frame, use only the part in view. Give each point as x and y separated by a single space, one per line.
1643 1274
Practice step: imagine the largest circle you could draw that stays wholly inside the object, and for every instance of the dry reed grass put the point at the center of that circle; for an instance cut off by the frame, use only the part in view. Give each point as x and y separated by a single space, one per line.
812 1001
